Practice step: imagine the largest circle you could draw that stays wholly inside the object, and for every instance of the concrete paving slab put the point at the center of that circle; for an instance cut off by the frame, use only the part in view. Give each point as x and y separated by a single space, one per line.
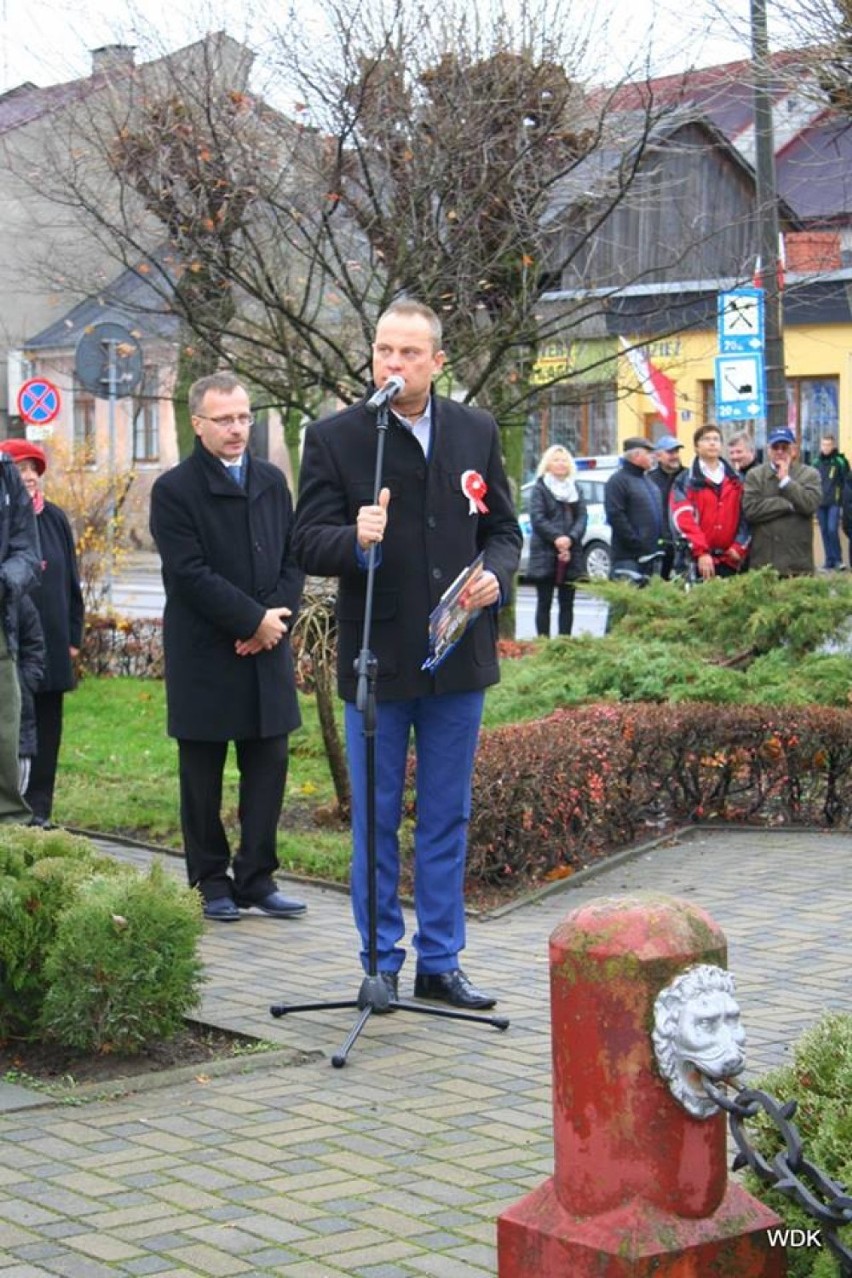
399 1164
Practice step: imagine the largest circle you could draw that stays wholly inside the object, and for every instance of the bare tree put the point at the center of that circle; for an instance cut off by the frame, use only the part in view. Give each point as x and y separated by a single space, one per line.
423 158
436 153
823 31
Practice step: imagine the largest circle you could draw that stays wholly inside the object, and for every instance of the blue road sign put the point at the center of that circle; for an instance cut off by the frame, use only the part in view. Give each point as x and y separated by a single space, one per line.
740 320
38 401
740 383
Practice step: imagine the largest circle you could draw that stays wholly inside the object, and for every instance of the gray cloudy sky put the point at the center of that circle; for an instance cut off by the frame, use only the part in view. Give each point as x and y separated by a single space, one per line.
48 41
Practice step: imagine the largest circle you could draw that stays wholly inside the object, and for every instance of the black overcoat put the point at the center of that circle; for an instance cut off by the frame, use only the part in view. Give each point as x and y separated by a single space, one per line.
551 518
59 598
20 563
31 660
226 558
634 512
430 537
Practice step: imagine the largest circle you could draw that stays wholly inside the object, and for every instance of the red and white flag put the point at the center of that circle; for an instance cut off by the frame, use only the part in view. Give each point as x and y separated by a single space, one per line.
653 381
780 267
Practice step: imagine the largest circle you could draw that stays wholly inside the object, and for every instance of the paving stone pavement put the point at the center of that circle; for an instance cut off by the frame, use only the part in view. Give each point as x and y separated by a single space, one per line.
399 1164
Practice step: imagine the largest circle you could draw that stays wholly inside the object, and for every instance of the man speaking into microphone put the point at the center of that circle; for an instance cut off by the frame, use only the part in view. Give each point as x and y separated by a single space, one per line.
444 499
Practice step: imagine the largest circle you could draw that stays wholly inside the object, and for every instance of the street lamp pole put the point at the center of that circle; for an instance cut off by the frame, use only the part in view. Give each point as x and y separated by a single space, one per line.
767 220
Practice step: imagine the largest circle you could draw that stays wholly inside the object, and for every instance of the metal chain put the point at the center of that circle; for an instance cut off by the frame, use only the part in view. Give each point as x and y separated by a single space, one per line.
790 1172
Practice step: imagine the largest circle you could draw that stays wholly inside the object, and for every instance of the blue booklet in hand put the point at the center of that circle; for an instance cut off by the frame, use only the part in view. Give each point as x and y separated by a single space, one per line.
450 619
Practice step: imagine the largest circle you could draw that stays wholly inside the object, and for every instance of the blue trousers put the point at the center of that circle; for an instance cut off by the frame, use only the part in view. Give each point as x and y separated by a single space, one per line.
829 524
446 729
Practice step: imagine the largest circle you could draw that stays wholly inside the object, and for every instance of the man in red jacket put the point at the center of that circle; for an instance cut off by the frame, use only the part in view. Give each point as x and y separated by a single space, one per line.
705 505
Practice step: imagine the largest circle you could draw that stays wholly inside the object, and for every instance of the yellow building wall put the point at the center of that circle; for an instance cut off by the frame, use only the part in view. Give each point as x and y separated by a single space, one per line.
818 351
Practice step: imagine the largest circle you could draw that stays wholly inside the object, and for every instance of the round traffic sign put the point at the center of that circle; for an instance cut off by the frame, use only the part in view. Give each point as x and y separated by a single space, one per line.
109 361
38 401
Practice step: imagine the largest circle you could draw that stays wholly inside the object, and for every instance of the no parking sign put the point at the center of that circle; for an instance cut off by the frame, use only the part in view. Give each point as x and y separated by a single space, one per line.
38 401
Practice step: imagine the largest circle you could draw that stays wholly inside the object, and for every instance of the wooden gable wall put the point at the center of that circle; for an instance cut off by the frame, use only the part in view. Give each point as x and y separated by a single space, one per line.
689 214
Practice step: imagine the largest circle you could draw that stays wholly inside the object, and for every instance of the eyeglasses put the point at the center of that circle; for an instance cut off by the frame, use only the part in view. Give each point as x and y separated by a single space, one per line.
233 419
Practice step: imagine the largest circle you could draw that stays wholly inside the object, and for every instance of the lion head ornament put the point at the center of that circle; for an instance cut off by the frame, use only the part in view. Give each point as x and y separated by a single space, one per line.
697 1028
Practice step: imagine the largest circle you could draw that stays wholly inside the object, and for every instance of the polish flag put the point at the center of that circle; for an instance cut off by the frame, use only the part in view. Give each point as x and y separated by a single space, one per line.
659 388
781 267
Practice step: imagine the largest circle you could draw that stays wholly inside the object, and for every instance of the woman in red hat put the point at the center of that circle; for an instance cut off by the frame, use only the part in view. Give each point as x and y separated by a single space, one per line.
59 601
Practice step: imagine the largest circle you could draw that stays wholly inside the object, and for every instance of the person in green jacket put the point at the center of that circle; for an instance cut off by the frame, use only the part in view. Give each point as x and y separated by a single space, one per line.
780 499
832 468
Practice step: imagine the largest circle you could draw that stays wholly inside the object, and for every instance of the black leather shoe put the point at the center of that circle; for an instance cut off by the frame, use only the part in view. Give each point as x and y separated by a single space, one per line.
221 910
276 904
391 983
451 987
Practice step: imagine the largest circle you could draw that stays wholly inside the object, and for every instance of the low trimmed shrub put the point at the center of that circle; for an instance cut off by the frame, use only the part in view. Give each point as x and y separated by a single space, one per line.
114 645
552 795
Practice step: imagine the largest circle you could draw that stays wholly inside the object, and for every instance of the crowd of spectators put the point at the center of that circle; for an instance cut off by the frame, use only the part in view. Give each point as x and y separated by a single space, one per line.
722 514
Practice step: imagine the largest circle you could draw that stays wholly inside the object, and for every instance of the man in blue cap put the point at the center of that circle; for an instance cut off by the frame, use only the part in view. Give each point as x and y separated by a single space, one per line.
666 470
780 499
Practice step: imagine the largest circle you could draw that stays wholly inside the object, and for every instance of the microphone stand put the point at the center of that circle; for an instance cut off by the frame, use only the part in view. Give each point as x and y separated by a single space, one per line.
374 996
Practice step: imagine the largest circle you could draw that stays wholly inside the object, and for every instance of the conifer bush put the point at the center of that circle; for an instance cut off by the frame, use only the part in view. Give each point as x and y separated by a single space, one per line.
123 967
819 1079
92 953
39 872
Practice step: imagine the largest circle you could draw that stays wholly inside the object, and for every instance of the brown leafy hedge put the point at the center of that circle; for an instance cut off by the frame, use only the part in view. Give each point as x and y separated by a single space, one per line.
554 795
114 645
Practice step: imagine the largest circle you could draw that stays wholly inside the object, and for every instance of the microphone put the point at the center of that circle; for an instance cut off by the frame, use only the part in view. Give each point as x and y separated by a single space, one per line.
392 387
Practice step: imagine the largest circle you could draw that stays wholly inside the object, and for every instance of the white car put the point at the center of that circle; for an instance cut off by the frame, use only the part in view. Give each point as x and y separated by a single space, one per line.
591 476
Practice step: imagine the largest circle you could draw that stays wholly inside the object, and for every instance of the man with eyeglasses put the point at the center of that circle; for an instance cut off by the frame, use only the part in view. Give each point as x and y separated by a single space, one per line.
780 499
222 522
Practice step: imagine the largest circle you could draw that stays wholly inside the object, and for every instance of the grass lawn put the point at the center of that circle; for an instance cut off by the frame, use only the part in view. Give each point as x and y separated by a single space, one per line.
118 775
118 769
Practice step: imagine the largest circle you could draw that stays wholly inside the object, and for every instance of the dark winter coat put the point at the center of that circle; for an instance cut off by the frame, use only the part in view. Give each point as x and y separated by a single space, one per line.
846 505
226 559
832 470
31 663
551 518
634 512
665 481
58 598
20 563
430 537
782 519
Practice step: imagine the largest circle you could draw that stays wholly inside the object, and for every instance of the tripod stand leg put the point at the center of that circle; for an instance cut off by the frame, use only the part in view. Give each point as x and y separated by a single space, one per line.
281 1009
338 1060
450 1014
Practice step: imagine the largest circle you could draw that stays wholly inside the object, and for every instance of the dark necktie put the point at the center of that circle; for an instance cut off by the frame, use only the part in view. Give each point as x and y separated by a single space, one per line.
235 470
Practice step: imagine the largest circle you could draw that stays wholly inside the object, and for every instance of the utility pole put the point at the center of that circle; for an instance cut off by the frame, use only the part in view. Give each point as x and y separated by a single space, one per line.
767 220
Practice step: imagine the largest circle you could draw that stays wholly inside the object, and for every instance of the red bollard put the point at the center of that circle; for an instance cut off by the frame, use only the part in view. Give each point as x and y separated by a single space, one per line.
640 1186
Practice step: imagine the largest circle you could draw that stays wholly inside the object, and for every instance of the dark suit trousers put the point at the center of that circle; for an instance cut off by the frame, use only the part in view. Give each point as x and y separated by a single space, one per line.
262 765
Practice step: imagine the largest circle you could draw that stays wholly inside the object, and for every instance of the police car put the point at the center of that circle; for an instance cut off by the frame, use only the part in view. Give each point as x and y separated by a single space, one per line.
590 475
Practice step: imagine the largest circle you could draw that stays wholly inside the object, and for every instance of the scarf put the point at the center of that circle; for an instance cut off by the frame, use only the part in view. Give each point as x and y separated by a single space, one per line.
38 501
562 489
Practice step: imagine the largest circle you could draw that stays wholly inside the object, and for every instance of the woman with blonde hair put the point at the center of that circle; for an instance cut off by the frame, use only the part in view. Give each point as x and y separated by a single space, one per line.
558 519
